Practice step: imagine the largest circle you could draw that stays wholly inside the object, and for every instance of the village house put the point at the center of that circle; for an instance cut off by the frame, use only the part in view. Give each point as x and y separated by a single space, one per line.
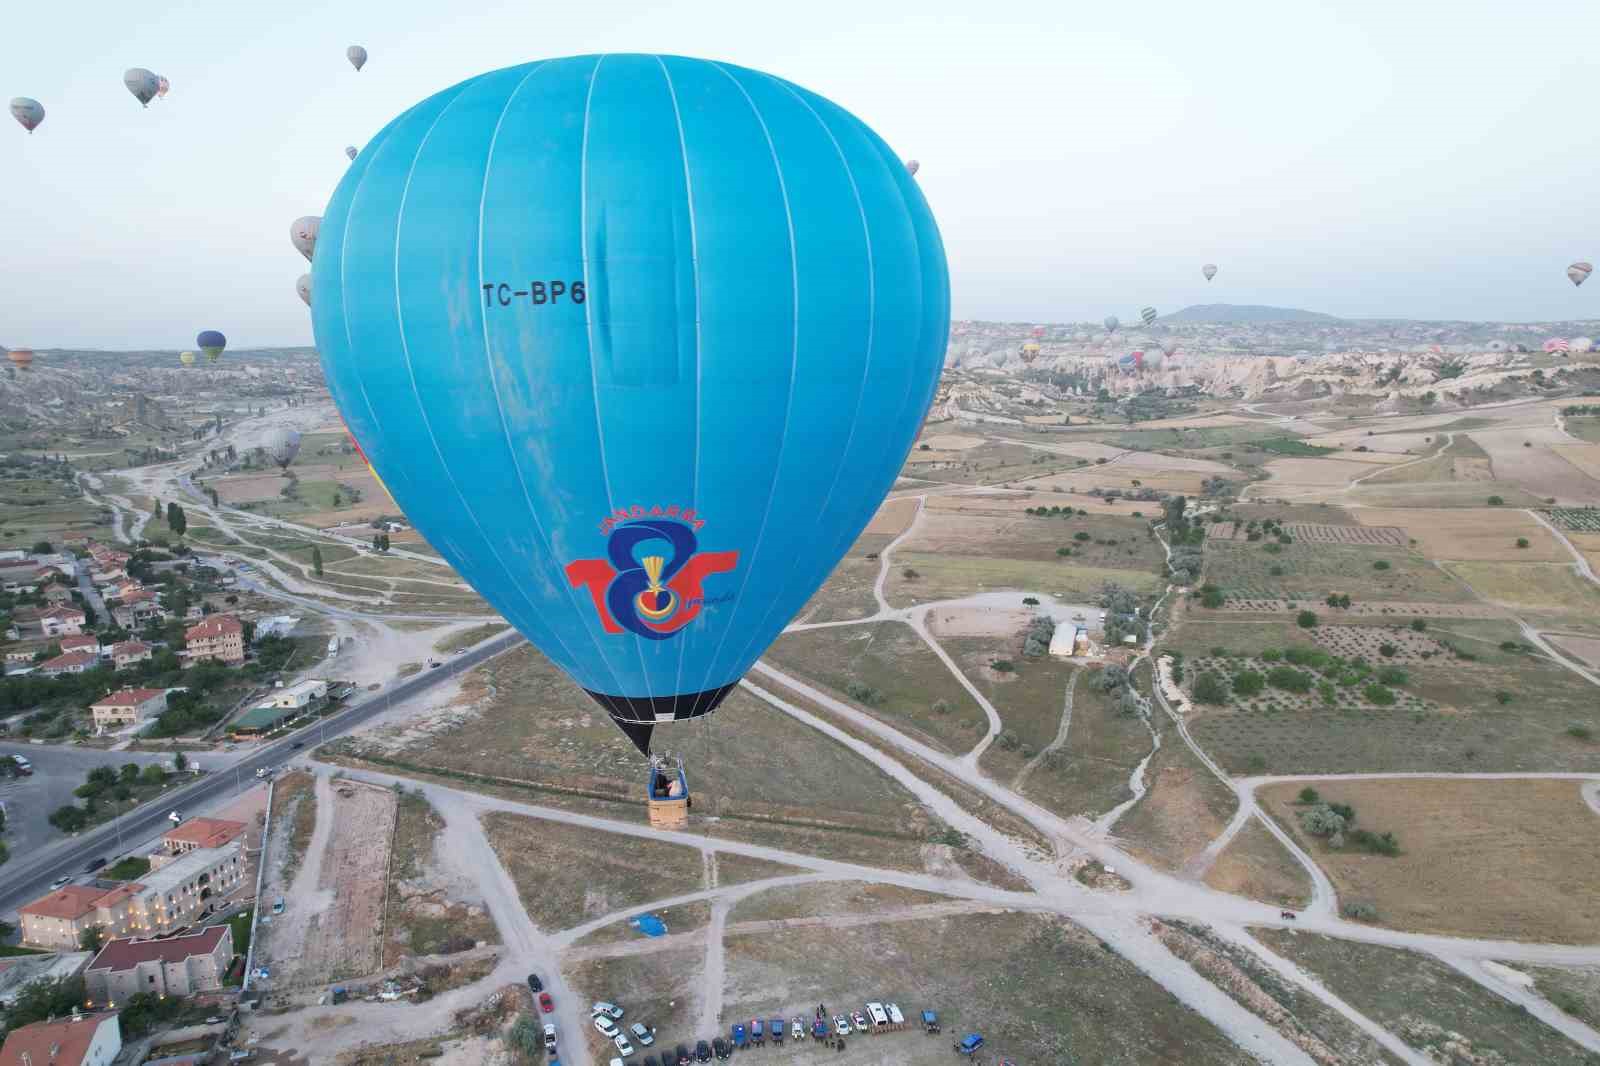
58 594
62 621
72 662
128 652
196 833
136 608
77 1040
220 637
82 642
131 706
177 966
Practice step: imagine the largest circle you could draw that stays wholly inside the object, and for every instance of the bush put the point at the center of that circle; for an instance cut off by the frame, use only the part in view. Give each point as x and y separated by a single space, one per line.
909 574
1378 695
1495 501
1361 912
1419 624
1063 552
1002 666
1393 675
1309 795
1376 843
1289 679
941 706
1275 570
1271 655
1248 683
1387 650
1381 564
1306 620
863 693
1502 697
1211 596
1579 731
1322 821
1029 601
1522 542
1080 536
1208 688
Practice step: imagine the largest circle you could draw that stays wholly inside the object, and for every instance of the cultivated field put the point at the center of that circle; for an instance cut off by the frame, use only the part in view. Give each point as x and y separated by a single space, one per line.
1308 573
1510 859
1318 533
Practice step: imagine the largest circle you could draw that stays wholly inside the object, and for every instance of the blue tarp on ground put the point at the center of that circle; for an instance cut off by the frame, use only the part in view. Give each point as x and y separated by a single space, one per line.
649 925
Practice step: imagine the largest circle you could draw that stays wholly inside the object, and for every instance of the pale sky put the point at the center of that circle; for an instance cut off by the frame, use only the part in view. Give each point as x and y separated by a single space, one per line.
1359 157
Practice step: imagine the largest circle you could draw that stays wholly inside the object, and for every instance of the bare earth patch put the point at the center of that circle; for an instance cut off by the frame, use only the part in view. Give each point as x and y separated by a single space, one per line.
1476 533
1255 864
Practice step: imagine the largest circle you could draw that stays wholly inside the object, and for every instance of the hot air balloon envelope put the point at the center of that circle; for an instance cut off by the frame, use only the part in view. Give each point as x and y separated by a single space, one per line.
283 445
302 285
1209 270
1148 314
21 358
350 151
186 358
912 166
143 84
640 343
212 343
28 112
163 86
1579 272
303 234
1112 322
356 55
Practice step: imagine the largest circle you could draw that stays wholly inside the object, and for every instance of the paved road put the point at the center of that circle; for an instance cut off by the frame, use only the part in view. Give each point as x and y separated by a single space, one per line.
26 877
57 771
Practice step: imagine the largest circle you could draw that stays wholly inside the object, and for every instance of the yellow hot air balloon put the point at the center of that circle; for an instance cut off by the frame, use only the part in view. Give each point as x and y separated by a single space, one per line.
186 358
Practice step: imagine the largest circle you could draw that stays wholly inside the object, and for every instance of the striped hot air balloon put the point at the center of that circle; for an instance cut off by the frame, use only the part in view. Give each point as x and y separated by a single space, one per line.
1579 272
1148 314
1557 344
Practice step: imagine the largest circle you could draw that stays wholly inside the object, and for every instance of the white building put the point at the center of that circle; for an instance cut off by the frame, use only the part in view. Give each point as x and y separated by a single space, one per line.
277 626
297 697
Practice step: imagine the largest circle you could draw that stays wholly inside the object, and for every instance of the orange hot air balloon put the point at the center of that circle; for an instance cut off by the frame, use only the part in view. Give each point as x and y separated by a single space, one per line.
21 358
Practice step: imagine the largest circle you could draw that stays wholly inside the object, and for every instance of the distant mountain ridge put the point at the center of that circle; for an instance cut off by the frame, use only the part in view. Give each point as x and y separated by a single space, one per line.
1245 313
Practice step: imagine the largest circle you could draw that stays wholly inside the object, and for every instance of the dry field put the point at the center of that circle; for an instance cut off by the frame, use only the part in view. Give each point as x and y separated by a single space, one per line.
1465 493
1039 988
1116 476
1256 865
1586 457
1509 859
332 925
951 442
1584 649
1293 474
1018 502
425 913
892 519
248 488
1538 469
1535 586
596 875
1479 533
1185 808
826 900
1442 1013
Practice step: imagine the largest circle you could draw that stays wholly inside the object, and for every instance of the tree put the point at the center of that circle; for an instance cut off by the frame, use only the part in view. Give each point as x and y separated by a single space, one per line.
38 1000
1496 501
1309 795
527 1035
177 521
42 547
1208 688
1322 821
180 761
155 509
316 560
130 772
1248 683
91 938
1306 620
1211 596
1522 542
152 774
69 819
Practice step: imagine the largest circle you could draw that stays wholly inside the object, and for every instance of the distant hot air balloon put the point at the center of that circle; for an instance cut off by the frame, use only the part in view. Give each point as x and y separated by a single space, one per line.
212 343
303 234
350 152
912 166
1030 352
1138 360
1148 314
186 358
1112 322
1579 272
302 285
143 84
1155 360
1556 344
28 112
356 55
1169 347
605 403
21 358
163 86
1581 344
1209 270
283 446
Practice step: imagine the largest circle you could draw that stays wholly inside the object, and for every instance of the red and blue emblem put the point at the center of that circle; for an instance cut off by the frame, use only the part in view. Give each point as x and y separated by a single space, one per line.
650 582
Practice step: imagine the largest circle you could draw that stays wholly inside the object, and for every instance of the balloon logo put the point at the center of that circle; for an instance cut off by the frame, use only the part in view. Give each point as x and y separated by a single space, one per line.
639 343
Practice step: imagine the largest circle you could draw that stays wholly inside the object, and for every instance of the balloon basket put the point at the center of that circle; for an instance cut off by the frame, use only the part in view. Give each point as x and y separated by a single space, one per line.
667 793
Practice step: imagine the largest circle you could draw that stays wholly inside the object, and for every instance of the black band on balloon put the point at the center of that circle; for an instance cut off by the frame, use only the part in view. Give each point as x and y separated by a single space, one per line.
637 716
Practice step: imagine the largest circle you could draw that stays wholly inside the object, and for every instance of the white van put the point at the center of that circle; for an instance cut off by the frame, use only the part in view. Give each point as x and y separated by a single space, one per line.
876 1012
895 1017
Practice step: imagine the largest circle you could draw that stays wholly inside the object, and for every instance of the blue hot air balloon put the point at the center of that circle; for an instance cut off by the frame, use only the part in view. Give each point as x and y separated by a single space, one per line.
211 342
639 343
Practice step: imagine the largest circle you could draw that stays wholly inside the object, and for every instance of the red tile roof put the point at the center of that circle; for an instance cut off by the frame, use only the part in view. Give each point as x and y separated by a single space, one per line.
126 647
57 1043
205 832
215 626
75 901
64 613
128 697
70 659
81 642
126 954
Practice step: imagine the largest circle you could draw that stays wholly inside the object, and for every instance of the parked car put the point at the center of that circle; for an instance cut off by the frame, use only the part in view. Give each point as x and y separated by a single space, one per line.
546 1004
841 1025
739 1037
617 1062
605 1026
534 983
277 905
94 864
776 1025
721 1048
650 1060
60 882
550 1037
610 1010
860 1020
798 1027
622 1043
819 1029
702 1052
758 1036
641 1034
683 1058
298 744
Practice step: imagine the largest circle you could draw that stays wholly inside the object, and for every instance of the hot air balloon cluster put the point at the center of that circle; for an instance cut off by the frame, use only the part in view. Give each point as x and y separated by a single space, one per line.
696 394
